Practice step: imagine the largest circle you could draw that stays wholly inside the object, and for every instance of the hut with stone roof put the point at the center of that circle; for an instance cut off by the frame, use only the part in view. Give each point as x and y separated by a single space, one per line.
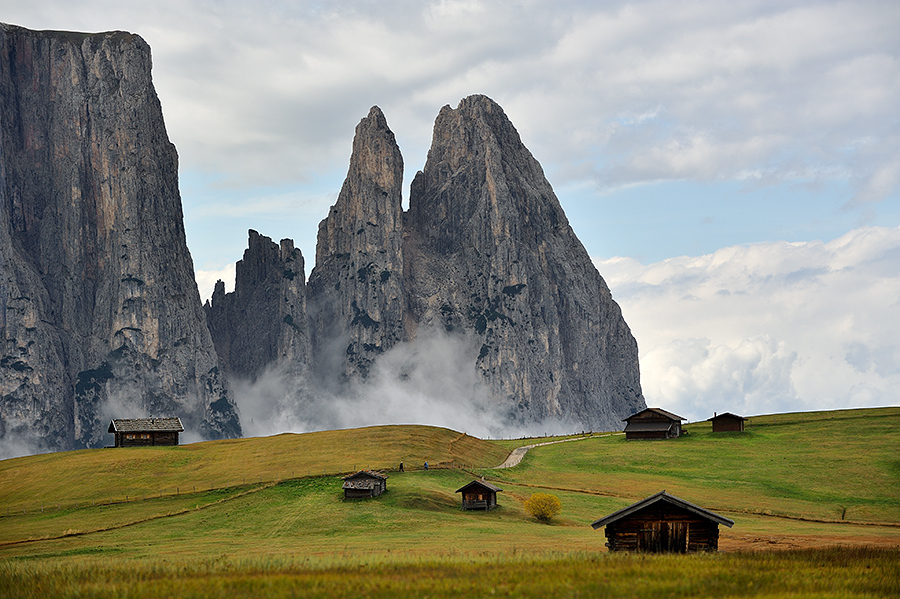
140 432
363 484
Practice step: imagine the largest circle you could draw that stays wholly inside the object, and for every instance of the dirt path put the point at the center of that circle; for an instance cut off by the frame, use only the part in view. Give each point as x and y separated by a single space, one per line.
518 453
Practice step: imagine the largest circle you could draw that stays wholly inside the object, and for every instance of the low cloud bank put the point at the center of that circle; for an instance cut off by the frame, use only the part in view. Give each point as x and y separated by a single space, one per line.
431 381
769 327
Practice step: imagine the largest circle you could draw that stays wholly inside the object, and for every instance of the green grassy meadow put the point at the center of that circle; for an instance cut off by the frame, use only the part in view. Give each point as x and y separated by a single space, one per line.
815 498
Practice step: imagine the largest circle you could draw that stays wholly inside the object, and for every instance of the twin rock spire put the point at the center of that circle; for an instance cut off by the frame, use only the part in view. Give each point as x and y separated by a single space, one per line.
484 252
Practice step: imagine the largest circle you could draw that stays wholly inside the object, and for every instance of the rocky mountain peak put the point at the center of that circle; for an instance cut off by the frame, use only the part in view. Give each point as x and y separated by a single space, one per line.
480 179
486 255
263 321
368 209
553 342
102 317
356 288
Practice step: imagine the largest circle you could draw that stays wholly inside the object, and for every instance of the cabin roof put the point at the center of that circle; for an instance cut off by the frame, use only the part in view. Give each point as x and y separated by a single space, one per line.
145 425
365 480
662 496
363 474
659 411
366 484
653 426
479 483
725 415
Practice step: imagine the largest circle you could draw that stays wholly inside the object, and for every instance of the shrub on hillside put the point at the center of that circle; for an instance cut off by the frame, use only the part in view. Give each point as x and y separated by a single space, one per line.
543 506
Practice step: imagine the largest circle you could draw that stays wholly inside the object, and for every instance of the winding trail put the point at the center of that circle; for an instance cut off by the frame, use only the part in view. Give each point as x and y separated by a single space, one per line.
516 455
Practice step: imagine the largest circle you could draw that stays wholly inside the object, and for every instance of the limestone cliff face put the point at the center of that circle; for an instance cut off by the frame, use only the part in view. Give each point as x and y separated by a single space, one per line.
99 311
484 252
263 321
490 252
356 295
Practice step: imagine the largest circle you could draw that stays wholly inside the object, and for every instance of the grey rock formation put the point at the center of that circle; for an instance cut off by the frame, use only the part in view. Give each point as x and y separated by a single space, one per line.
263 321
357 303
490 251
484 252
99 311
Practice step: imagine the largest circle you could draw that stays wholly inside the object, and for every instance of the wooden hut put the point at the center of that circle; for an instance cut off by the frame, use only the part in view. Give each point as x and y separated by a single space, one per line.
364 483
727 422
479 495
653 423
138 432
663 523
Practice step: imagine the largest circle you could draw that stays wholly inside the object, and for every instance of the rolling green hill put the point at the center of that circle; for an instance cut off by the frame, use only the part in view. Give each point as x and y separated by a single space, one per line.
792 480
829 466
104 475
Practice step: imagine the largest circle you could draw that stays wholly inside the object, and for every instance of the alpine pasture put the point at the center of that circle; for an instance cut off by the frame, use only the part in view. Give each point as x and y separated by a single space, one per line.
815 498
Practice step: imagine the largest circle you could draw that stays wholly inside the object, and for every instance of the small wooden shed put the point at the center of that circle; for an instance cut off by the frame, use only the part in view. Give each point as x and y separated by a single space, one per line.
479 495
365 483
138 432
653 423
727 422
663 523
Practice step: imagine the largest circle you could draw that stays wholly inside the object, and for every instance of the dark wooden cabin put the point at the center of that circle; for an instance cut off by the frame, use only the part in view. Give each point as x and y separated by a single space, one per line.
479 495
727 422
653 423
663 523
365 483
141 432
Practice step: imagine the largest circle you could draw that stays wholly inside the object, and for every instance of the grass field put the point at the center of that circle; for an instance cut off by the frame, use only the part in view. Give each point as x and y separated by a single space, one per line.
848 573
226 518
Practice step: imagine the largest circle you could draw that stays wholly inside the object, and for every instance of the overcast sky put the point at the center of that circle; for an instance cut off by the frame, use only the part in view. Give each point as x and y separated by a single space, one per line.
732 167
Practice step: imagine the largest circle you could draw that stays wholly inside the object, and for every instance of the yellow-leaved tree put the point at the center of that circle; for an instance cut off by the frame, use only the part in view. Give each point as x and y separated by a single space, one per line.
543 506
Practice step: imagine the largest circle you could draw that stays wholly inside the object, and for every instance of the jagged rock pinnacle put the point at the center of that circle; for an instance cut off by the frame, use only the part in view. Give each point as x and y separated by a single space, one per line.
484 253
356 288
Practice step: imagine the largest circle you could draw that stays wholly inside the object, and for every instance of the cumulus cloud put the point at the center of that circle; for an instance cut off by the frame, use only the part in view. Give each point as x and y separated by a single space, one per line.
272 93
769 327
206 280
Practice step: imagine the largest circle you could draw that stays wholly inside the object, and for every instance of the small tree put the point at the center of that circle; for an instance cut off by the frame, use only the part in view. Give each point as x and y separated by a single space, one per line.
543 506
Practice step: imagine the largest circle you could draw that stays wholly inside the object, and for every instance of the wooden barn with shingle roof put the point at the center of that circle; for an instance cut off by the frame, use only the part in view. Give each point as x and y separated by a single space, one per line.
663 523
479 495
653 423
727 422
141 432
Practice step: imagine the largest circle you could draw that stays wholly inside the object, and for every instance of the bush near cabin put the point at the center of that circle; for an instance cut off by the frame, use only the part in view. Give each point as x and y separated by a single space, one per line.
543 506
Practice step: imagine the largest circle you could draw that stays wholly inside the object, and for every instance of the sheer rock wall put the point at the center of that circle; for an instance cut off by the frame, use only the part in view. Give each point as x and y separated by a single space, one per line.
99 311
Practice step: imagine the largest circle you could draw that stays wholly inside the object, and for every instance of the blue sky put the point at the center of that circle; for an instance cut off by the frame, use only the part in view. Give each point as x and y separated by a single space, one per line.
674 134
